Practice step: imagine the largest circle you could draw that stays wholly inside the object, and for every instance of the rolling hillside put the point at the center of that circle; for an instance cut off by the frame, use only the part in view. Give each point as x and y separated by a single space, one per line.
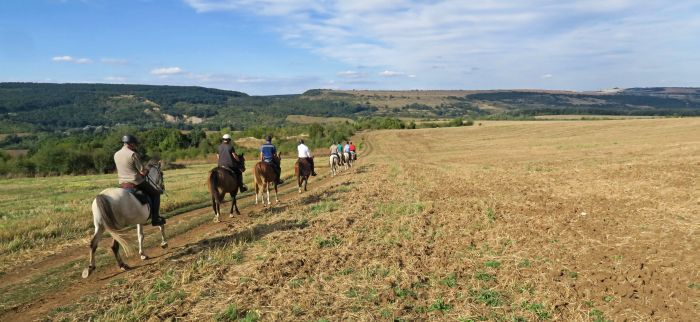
29 107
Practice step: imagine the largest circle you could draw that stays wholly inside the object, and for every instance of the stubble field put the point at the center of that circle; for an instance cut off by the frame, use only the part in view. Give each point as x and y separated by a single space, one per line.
509 221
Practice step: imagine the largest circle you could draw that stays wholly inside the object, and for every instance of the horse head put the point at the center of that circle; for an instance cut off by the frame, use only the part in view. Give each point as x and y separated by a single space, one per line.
155 174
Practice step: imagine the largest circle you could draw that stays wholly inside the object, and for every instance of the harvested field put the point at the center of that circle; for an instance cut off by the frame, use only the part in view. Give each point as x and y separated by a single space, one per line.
511 221
305 119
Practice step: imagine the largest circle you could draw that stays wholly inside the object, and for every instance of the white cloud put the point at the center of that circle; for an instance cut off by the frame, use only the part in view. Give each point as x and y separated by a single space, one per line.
115 79
62 59
391 73
114 61
166 71
545 76
71 59
351 74
579 41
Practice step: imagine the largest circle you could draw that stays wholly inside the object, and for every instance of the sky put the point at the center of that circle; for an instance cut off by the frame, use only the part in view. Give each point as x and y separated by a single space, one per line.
265 47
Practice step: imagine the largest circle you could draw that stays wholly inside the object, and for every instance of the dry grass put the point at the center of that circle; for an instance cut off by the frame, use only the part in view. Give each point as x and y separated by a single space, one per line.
511 221
305 119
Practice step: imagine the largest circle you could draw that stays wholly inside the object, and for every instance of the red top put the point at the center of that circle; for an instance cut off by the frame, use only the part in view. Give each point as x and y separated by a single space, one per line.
352 147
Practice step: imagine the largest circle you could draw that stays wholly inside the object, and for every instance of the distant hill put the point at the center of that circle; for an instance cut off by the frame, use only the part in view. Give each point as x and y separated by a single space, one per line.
659 101
27 107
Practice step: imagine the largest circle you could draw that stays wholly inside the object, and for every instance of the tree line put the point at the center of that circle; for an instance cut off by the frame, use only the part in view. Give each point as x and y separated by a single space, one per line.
92 151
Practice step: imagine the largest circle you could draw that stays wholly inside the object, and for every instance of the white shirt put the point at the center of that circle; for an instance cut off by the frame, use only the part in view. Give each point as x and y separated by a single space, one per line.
303 151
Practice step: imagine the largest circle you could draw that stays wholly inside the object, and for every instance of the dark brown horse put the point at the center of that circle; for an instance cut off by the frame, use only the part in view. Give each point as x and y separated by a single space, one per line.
264 175
302 170
222 181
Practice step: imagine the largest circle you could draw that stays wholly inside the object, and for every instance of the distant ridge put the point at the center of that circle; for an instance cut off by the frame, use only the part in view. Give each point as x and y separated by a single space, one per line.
50 106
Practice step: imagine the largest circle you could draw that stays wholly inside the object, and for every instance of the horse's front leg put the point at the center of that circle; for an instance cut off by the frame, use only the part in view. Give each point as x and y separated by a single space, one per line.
276 199
93 247
234 205
267 188
139 232
163 242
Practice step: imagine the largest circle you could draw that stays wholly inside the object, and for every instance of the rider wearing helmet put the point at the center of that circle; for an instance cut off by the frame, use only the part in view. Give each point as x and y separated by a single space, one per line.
225 156
305 153
268 154
132 175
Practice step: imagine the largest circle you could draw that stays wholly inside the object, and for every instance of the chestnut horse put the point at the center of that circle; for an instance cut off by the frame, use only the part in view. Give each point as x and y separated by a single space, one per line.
302 170
264 175
221 181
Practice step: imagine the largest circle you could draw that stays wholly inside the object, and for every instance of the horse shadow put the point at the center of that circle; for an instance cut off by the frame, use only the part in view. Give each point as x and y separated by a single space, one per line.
249 235
309 199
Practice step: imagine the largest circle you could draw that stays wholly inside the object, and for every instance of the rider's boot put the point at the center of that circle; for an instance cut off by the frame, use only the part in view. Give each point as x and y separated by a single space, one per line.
242 188
279 174
156 219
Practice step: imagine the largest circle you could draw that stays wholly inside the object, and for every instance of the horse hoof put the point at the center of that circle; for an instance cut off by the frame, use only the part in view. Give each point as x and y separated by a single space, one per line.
144 257
87 272
216 220
164 245
124 267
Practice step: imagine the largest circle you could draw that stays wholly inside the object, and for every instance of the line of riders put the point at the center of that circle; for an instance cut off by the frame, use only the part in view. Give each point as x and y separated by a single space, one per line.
132 173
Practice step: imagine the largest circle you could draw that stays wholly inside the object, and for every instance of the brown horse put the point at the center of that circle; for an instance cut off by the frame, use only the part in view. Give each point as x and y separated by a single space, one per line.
264 175
302 170
222 181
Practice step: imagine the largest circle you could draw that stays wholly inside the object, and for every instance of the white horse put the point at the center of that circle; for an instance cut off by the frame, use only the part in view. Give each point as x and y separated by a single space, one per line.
114 210
348 161
334 161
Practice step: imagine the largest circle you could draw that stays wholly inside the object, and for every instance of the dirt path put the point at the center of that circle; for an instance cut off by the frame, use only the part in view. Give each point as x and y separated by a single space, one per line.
76 288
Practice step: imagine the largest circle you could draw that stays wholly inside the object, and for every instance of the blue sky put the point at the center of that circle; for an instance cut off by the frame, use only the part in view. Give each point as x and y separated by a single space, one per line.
289 46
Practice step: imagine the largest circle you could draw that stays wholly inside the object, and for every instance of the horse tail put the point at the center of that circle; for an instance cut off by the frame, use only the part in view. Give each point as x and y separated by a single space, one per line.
257 176
214 184
110 223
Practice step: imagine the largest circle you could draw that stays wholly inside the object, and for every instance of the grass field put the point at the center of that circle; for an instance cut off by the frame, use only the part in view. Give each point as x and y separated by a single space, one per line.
40 215
509 221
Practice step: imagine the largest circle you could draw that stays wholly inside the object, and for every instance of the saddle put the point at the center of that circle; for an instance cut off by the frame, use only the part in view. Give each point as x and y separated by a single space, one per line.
141 196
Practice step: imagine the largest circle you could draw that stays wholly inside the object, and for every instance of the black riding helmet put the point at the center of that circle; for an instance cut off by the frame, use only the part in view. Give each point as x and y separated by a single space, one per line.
128 138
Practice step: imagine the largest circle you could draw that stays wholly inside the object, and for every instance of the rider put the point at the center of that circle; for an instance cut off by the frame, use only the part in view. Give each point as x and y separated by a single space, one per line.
353 151
268 154
340 152
225 159
132 175
305 153
346 148
334 149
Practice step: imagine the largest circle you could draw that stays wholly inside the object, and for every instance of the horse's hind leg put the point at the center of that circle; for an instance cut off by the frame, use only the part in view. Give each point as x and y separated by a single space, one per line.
267 188
93 247
276 199
139 232
234 205
115 250
163 242
216 211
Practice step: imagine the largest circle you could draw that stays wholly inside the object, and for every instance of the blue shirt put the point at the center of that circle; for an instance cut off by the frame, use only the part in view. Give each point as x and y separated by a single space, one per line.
268 151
